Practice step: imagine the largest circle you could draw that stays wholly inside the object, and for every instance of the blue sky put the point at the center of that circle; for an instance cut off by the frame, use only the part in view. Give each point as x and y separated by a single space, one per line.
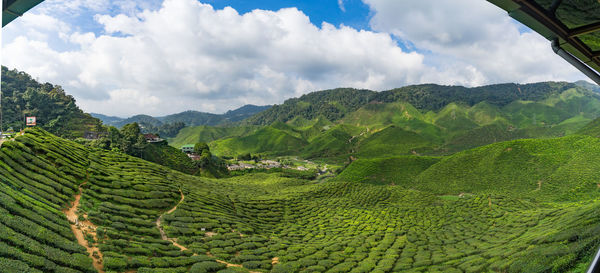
352 13
157 57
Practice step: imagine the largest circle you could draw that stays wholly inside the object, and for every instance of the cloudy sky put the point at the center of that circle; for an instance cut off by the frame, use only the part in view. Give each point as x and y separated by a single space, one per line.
157 57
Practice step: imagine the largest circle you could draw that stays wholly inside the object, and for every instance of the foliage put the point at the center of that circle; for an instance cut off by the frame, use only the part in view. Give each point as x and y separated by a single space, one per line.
332 104
54 109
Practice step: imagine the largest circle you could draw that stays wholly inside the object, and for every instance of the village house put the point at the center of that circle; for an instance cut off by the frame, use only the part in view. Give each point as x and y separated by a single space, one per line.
152 138
189 148
89 135
269 164
241 166
194 157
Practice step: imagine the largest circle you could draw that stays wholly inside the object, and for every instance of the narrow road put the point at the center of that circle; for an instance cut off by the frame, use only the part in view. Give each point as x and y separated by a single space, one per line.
163 235
79 227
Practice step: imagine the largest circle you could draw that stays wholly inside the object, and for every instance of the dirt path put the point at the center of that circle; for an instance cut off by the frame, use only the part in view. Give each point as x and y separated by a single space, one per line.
163 235
229 264
79 228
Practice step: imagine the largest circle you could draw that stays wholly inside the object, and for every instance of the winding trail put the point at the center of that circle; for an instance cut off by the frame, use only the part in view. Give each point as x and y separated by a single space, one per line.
163 235
81 227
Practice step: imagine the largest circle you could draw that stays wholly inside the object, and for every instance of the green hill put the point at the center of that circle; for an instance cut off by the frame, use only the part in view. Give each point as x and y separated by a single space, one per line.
265 140
401 170
193 135
561 168
446 119
332 104
392 141
163 154
591 129
434 97
480 136
54 109
337 141
317 126
454 119
336 103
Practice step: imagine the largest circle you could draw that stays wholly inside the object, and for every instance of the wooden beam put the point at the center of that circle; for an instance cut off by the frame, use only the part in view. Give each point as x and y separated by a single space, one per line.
543 16
582 30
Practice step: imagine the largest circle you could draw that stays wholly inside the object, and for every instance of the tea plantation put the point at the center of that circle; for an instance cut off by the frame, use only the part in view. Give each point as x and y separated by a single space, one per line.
468 218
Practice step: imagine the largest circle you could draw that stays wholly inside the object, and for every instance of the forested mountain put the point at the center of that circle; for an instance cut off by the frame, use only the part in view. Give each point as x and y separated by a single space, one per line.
422 119
332 104
336 103
590 86
188 118
54 109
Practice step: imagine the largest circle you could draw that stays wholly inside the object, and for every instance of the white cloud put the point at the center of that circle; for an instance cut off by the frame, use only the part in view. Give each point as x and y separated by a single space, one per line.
186 55
475 37
341 5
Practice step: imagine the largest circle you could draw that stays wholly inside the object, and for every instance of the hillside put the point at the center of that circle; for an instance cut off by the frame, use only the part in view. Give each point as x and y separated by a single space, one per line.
144 217
266 140
54 109
591 129
193 135
332 104
560 168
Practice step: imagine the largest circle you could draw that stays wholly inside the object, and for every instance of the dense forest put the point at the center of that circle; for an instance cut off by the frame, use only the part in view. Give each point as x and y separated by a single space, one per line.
55 110
336 103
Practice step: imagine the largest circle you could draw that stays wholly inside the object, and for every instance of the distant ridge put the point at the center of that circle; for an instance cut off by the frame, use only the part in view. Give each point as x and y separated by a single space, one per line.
334 104
189 118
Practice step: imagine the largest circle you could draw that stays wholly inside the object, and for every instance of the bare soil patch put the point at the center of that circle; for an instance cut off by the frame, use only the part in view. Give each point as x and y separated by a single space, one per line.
80 228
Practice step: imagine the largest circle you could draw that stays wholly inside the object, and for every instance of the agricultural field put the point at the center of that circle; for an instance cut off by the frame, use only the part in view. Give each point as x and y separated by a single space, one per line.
138 216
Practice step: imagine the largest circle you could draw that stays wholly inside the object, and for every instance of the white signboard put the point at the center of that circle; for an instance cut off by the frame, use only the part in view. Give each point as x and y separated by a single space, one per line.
30 121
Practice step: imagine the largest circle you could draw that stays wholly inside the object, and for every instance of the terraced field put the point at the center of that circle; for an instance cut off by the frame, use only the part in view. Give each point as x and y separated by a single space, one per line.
265 222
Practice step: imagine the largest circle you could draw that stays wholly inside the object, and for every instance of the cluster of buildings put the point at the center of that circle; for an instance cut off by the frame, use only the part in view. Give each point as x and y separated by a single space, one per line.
263 164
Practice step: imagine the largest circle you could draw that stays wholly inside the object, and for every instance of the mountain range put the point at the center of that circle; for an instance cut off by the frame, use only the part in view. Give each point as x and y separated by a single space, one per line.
422 119
189 118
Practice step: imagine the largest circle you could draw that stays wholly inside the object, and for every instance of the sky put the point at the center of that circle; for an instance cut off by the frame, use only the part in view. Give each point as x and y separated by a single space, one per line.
158 57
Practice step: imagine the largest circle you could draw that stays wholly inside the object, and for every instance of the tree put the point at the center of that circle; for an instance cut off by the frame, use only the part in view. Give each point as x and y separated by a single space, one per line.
200 147
130 136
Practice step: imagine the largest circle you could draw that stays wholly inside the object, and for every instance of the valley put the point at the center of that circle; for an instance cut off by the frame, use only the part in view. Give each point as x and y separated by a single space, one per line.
398 219
373 182
300 136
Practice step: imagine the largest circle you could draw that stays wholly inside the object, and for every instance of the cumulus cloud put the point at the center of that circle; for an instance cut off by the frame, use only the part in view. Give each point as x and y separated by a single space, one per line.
187 55
158 58
472 36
